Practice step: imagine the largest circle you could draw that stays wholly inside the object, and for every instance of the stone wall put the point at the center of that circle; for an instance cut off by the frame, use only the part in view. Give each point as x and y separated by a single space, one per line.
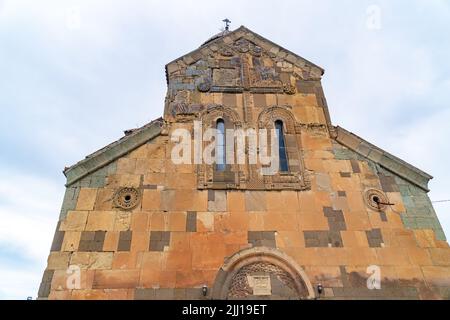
141 227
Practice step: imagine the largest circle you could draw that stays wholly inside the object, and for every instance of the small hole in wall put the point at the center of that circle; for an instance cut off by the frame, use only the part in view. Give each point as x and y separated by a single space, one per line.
127 198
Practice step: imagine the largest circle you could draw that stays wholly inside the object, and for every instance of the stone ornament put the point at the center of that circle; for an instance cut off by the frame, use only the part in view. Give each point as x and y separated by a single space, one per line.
204 86
375 199
289 89
126 198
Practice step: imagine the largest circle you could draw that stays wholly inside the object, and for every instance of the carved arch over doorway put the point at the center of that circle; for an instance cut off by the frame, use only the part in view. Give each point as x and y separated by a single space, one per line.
261 260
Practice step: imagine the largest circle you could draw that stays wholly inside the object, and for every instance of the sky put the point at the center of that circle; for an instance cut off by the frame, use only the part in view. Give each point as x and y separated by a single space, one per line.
75 74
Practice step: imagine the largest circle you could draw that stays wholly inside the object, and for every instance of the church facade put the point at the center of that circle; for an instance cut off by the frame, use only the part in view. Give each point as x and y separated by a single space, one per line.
339 219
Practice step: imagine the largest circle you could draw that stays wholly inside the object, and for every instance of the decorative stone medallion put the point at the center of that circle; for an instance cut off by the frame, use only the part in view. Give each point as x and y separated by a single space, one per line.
204 86
375 199
126 198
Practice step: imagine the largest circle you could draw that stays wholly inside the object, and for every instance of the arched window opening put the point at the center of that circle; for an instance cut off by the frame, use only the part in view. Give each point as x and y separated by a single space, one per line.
220 145
281 146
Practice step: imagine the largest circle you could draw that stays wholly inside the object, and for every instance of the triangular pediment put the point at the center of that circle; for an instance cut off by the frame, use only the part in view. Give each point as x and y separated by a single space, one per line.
244 41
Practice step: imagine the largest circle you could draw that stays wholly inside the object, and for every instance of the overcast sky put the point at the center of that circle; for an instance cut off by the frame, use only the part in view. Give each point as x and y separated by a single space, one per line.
75 74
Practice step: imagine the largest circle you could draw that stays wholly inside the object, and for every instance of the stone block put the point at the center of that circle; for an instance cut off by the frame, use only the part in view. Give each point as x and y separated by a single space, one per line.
58 260
151 200
75 221
111 241
219 202
255 201
116 279
122 221
91 241
191 221
100 221
235 201
71 241
139 221
86 199
125 240
205 221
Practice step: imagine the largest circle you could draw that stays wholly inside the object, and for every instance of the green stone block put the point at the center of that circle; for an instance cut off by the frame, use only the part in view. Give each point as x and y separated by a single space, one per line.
409 222
440 235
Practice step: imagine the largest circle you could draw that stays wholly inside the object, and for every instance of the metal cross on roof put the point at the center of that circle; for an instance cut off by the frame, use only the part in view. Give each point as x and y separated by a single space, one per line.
227 23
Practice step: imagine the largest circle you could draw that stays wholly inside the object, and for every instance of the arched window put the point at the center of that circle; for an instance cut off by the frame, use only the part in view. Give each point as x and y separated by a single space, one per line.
281 146
220 145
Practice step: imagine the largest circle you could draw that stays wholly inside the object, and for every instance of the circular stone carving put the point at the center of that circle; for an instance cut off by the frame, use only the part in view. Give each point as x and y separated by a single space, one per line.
375 199
204 86
127 198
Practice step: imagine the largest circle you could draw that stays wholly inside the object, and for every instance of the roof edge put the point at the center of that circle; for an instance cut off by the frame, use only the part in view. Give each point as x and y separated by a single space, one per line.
383 158
101 158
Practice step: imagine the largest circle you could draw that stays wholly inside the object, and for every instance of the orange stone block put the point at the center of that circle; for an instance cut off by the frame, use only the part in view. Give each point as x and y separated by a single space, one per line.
71 241
100 220
355 201
280 222
307 202
177 221
117 294
286 239
327 276
125 260
437 276
235 238
354 239
208 255
236 201
425 238
357 221
418 256
89 295
393 257
139 221
180 241
151 200
440 256
86 199
167 279
157 221
111 241
140 241
75 221
362 256
149 278
116 279
177 260
256 221
190 278
409 273
104 201
312 221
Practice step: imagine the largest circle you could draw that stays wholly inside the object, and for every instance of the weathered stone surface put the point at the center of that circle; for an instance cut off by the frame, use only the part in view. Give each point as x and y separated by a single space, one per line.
195 225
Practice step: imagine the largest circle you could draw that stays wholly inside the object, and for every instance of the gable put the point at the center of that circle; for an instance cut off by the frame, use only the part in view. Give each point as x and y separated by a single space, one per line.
243 40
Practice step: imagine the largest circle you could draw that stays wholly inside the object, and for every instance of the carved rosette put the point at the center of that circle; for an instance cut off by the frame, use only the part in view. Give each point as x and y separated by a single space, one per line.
375 199
126 198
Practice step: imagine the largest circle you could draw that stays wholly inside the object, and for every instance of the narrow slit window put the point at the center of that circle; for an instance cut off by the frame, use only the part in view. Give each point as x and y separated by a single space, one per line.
220 145
281 146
